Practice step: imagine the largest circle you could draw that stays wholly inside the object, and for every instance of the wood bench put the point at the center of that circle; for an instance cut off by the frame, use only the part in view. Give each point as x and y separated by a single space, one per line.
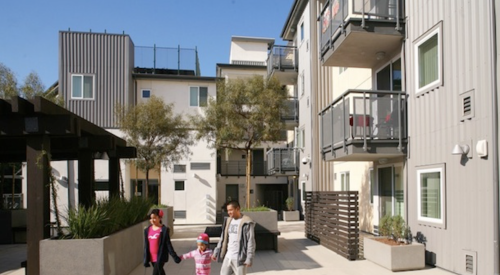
264 239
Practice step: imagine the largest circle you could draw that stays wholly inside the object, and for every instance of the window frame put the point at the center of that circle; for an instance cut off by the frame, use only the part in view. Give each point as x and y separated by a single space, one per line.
436 222
436 30
178 182
345 181
142 93
82 86
198 97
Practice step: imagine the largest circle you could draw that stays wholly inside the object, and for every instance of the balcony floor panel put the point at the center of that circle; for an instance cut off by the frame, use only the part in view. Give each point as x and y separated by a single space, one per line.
375 150
358 47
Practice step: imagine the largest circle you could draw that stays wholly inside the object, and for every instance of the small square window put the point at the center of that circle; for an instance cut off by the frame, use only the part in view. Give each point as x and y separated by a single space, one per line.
179 185
198 96
146 93
82 86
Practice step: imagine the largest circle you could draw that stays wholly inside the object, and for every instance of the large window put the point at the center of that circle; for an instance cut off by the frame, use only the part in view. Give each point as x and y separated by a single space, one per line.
428 60
198 96
82 87
431 195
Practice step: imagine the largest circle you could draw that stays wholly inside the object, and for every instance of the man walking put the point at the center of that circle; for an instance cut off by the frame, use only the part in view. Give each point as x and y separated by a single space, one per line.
236 247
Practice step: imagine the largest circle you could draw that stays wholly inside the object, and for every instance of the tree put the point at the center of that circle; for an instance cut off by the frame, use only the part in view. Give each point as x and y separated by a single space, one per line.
245 113
8 82
160 136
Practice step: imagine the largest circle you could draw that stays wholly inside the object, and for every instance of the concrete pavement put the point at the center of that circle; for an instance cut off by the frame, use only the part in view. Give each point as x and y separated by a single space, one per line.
297 255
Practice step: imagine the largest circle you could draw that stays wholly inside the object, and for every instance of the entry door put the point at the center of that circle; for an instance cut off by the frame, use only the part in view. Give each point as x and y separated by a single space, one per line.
391 191
232 192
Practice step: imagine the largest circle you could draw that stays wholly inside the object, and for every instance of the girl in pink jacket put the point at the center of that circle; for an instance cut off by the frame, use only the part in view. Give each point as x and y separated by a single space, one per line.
202 256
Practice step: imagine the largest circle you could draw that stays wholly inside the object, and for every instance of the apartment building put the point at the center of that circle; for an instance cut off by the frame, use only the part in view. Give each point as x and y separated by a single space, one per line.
404 110
275 166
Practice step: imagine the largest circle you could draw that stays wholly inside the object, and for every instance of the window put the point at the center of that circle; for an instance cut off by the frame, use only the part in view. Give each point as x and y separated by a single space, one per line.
179 185
372 185
300 139
431 192
428 60
302 32
344 181
198 96
82 87
146 93
200 166
302 83
342 69
179 168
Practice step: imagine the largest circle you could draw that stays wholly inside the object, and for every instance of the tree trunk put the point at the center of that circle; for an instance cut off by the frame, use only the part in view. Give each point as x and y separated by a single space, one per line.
248 172
146 185
159 185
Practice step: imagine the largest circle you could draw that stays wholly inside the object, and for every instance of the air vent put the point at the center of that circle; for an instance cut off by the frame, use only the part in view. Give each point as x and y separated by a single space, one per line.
467 105
469 262
200 166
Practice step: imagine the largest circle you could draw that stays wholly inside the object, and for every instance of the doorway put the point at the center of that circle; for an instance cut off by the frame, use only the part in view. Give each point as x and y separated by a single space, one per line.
391 191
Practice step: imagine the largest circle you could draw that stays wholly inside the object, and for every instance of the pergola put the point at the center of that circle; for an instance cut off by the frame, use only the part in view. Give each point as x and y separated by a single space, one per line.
37 131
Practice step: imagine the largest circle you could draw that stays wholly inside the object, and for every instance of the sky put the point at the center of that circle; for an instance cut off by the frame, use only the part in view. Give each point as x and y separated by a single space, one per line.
29 28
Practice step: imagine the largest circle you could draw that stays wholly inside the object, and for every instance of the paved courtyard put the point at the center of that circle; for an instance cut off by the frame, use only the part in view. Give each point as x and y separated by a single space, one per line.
297 255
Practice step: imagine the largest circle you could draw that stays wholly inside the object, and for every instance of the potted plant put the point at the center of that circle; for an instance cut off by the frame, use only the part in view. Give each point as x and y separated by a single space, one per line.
105 238
290 215
393 249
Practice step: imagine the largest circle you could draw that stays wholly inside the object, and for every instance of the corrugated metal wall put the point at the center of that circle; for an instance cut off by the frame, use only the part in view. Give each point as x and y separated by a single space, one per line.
110 59
435 127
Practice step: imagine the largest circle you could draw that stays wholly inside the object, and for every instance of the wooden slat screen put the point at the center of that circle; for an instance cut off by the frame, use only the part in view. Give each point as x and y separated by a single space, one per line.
332 220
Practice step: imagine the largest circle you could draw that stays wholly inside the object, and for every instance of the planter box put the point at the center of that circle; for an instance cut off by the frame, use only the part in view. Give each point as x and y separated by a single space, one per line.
289 216
266 219
395 257
119 253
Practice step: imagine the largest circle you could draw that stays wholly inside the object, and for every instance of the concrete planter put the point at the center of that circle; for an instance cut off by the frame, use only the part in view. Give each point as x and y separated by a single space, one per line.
168 218
289 216
266 219
119 253
395 257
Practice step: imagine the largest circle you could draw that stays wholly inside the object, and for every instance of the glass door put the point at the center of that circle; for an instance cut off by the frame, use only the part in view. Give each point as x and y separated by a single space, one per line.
391 186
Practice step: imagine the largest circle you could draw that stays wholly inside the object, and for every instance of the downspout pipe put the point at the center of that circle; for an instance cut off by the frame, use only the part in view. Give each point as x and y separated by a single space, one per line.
494 142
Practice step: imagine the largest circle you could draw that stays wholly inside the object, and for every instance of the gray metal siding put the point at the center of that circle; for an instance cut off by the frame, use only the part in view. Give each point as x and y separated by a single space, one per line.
435 127
110 59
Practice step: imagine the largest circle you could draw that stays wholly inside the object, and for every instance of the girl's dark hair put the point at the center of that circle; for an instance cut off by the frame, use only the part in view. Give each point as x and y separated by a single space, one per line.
157 211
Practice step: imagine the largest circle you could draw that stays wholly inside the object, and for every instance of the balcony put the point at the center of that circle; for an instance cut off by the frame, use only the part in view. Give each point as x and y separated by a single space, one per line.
359 33
282 63
282 161
238 168
364 125
291 115
166 61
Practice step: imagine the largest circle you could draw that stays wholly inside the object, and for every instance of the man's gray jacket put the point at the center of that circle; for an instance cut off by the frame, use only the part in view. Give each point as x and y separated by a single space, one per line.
246 239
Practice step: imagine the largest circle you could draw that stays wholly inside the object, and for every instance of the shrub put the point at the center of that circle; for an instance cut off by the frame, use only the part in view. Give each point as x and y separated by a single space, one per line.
385 226
256 209
289 203
393 227
106 217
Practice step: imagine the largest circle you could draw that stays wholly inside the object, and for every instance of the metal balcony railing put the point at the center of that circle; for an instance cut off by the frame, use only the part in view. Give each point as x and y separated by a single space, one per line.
159 59
291 114
337 13
364 114
282 160
238 168
282 58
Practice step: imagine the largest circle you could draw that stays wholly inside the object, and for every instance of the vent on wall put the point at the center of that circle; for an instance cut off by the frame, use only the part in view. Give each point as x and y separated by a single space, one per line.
467 105
469 262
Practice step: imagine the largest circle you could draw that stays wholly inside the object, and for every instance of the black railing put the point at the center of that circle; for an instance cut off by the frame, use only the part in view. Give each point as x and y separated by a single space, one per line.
282 58
166 60
364 114
282 160
238 168
335 16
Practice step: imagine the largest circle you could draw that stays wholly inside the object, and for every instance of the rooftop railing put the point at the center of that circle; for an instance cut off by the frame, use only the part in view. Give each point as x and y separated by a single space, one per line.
157 59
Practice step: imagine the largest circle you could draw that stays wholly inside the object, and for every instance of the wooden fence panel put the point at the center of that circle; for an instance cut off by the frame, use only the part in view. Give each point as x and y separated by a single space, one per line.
332 220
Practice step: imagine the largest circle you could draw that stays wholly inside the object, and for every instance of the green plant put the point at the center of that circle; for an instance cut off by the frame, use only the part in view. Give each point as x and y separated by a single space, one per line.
393 227
256 209
385 226
398 228
106 217
289 203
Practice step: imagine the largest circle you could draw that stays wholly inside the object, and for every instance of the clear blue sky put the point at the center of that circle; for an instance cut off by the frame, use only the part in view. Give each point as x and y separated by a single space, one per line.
29 28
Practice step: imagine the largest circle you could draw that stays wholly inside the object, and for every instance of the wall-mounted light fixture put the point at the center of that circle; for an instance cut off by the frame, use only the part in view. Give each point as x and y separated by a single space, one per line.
380 55
460 149
194 175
